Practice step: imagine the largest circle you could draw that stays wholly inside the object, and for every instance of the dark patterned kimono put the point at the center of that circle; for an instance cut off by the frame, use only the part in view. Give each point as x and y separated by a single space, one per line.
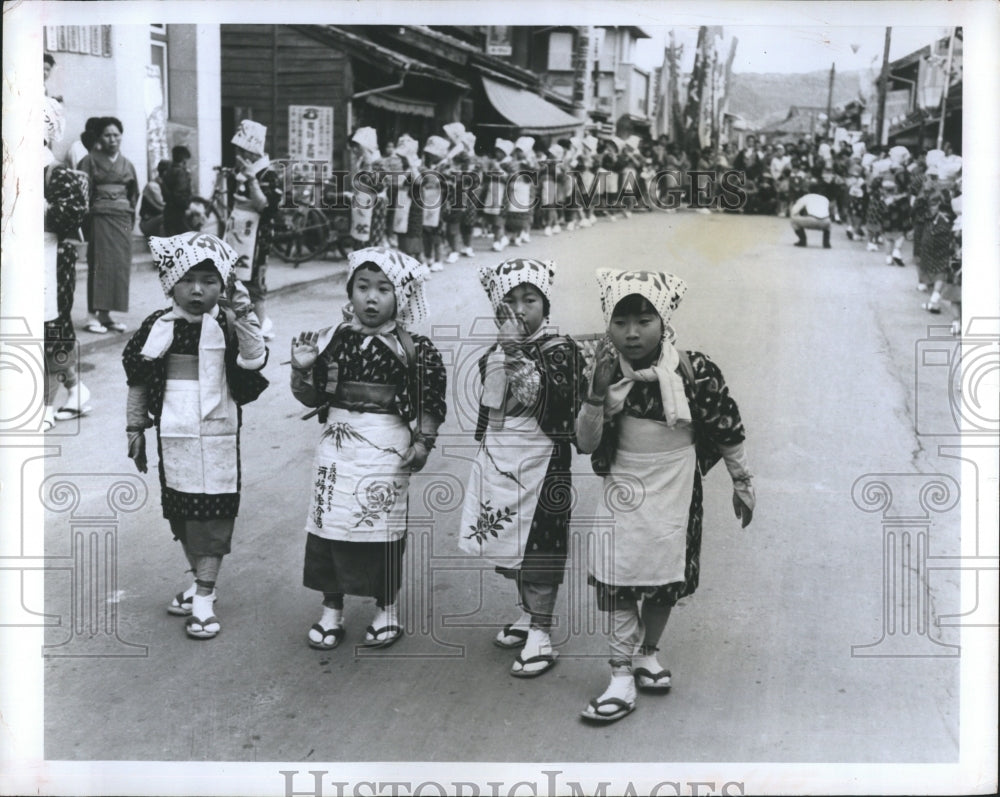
244 385
716 422
66 193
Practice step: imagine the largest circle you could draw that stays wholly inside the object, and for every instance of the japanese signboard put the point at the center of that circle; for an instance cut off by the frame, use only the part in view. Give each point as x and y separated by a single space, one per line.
310 132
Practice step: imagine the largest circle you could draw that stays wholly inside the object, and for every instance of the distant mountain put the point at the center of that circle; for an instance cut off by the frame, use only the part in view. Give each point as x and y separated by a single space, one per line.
765 98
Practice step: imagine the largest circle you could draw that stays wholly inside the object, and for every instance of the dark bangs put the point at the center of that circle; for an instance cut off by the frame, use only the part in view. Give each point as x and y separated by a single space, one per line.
634 304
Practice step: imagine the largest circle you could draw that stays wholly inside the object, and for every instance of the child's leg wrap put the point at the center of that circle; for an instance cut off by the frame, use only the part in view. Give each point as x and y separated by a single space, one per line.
333 600
654 620
207 570
626 634
539 600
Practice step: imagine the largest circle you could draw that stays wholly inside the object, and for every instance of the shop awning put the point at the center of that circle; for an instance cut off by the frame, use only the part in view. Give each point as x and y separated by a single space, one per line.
391 102
528 111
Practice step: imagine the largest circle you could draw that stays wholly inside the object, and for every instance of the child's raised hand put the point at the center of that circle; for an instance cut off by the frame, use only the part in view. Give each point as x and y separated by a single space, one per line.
605 360
305 350
237 298
509 329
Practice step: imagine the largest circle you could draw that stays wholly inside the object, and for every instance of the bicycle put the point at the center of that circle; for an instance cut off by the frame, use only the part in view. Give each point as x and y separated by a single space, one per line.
304 232
210 215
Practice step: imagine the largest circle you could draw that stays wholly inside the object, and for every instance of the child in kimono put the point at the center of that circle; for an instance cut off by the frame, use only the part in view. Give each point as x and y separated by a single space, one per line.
518 194
551 174
434 200
517 506
370 379
408 215
190 369
367 207
254 195
661 418
495 173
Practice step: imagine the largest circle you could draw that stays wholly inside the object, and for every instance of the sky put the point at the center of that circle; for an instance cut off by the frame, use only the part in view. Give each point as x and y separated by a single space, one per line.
794 49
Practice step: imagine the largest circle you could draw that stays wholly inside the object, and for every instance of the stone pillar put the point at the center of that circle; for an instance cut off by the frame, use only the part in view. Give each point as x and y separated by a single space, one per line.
93 560
905 501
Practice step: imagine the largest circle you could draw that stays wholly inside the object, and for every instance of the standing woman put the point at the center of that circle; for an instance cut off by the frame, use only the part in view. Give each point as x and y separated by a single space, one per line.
114 193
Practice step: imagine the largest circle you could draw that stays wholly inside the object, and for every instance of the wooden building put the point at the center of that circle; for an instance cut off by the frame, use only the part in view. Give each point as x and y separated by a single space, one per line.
266 69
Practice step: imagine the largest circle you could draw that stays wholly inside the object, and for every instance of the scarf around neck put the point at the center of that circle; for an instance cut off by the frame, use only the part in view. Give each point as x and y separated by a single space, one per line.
212 383
664 371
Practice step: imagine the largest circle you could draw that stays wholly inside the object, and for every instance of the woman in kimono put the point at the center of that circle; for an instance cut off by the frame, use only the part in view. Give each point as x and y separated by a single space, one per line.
370 379
190 368
657 419
517 505
114 194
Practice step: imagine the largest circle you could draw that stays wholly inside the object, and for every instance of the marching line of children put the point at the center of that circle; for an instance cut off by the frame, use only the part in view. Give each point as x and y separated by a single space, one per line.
518 185
894 196
648 411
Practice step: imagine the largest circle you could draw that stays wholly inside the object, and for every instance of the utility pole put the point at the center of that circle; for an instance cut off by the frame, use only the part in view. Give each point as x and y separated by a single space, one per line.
883 82
944 94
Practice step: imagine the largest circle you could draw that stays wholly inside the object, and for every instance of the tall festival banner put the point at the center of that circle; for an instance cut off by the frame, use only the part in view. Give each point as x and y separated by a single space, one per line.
695 91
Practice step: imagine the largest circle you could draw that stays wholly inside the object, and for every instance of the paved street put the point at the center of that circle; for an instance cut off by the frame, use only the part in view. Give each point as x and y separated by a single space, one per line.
818 348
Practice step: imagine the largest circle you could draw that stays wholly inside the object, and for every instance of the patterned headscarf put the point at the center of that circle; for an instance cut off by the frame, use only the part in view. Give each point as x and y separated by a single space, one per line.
367 139
501 280
250 136
407 275
663 291
177 255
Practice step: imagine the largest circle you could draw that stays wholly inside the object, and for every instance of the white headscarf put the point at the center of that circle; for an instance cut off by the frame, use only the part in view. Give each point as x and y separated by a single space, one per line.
664 293
405 273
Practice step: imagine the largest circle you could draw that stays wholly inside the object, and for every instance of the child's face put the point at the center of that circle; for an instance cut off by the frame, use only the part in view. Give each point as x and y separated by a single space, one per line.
528 306
636 336
198 291
373 297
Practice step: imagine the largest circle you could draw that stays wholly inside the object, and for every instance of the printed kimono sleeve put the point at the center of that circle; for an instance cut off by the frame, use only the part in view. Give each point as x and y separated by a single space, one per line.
432 378
714 412
564 387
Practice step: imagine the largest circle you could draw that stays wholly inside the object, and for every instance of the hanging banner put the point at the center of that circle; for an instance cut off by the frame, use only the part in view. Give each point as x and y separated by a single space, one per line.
498 40
310 133
930 79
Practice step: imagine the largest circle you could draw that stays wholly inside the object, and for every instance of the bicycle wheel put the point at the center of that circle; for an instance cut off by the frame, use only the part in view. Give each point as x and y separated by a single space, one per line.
299 234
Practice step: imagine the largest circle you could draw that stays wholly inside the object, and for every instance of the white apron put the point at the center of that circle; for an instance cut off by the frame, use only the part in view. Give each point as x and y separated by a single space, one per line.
199 453
520 196
241 235
362 210
51 282
493 201
401 216
649 496
497 513
431 194
359 492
